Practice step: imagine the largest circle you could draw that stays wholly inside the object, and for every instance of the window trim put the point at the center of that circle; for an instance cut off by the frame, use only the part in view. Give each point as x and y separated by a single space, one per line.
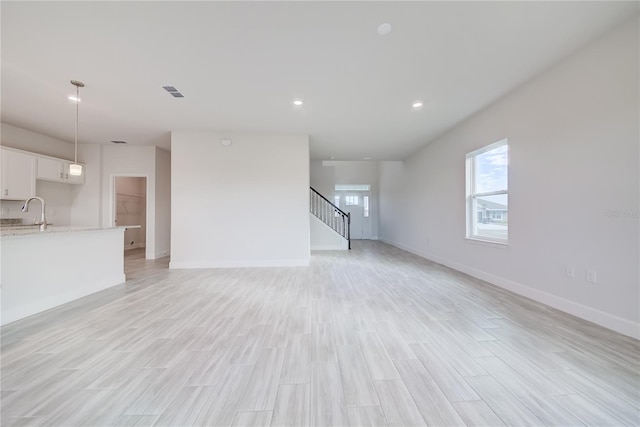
472 196
366 200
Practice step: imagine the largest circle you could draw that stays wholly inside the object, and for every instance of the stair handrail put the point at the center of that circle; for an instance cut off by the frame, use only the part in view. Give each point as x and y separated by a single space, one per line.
330 202
345 230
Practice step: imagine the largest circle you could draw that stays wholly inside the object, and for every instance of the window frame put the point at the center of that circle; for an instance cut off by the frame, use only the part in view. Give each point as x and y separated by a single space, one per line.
471 205
365 204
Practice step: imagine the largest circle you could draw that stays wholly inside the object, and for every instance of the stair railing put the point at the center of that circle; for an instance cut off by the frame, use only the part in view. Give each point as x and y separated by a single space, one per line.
330 214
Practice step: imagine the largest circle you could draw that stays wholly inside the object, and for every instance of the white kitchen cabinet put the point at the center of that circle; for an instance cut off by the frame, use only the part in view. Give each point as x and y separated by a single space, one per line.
50 169
57 170
18 175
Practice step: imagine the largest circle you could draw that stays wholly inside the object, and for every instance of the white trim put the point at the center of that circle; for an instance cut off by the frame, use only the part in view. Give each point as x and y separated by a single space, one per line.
240 263
162 254
344 247
606 320
134 246
487 241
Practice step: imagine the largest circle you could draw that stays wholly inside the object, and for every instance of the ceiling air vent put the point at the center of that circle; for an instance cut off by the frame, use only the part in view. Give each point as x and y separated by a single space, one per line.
173 91
119 142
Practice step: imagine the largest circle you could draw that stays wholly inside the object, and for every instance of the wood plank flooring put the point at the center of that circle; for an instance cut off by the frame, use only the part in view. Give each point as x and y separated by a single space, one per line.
374 336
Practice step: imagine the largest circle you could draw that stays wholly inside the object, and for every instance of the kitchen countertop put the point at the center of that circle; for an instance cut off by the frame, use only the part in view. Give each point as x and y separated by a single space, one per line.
31 230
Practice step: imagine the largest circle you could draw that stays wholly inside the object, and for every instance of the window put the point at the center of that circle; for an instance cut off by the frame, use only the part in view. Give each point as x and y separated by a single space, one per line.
365 201
353 187
488 193
351 200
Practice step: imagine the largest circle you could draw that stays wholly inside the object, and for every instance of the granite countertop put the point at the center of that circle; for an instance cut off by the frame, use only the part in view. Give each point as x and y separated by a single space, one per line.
30 230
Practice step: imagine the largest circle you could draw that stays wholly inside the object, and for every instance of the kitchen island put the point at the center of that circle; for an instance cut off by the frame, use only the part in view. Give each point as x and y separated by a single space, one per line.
40 270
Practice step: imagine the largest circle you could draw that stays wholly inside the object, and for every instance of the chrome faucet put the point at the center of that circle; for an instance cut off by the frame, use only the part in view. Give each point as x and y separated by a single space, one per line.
43 219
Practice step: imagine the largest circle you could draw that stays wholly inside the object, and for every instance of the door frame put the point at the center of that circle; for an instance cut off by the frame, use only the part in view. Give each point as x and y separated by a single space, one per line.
148 253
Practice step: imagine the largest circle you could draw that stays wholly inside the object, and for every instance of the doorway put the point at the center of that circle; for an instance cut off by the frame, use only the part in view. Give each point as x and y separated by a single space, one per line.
358 205
131 210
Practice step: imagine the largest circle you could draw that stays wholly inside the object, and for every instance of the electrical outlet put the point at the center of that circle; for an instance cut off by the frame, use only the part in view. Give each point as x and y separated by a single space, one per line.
592 277
570 271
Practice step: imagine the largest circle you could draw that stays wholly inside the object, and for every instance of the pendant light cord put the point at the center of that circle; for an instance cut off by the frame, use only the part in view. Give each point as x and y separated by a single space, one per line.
77 108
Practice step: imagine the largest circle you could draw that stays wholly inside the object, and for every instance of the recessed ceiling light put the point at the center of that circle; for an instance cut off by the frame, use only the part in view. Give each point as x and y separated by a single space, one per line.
297 102
226 142
74 99
332 158
417 104
384 29
366 158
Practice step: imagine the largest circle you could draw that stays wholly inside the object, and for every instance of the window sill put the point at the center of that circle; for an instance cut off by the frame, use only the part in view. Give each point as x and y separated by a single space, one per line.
495 243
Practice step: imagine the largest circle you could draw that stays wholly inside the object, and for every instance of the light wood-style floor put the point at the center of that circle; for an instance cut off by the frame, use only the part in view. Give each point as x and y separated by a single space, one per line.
374 336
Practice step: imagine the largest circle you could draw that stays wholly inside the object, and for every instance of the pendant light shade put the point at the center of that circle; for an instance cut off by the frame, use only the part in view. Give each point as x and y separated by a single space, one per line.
75 169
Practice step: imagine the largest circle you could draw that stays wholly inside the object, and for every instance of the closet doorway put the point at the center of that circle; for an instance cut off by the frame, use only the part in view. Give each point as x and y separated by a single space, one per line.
131 209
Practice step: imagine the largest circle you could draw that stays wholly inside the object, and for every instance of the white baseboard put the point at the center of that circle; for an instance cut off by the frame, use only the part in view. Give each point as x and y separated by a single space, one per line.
607 320
134 246
303 262
162 254
344 247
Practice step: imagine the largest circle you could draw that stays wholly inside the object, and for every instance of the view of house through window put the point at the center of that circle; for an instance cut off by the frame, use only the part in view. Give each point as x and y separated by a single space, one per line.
488 193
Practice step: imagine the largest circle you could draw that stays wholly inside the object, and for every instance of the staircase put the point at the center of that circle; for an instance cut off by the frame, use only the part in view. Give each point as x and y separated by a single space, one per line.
330 214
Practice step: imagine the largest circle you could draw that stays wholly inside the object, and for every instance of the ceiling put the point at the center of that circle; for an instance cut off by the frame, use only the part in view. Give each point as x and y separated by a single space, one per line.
240 65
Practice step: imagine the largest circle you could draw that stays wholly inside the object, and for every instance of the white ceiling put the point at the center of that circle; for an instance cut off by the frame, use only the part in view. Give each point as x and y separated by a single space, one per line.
240 65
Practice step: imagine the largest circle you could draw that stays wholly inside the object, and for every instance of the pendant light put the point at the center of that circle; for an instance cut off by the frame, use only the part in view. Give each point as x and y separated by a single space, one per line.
75 169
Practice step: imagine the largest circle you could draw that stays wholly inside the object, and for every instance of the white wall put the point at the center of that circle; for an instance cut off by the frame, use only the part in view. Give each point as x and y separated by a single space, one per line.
163 202
323 178
243 205
23 139
573 135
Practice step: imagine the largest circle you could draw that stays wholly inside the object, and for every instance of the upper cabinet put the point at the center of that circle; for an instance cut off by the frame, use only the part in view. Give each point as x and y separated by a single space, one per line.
20 169
18 174
52 169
